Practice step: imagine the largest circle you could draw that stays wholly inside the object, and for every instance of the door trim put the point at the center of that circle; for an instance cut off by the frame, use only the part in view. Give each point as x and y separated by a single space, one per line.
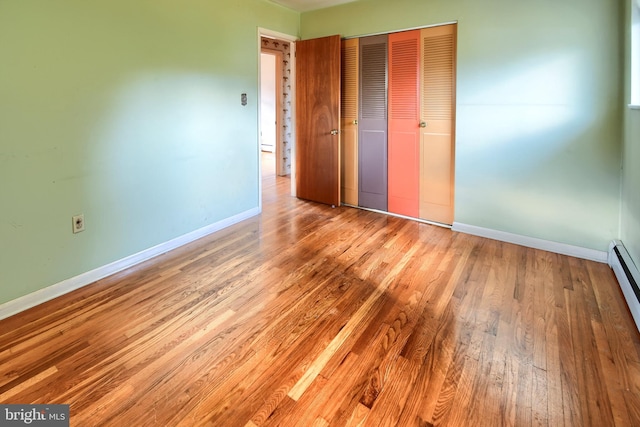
440 24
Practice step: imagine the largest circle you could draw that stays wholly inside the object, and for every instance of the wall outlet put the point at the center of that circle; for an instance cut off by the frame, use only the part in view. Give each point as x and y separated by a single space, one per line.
78 223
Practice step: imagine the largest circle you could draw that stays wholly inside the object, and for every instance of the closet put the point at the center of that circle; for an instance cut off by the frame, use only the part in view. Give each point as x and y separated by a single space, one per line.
398 120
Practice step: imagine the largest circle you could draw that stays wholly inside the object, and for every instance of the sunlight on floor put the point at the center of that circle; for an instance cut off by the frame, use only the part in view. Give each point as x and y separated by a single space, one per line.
268 164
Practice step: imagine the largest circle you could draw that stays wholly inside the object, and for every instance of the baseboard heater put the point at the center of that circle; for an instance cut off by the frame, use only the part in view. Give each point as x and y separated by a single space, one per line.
628 277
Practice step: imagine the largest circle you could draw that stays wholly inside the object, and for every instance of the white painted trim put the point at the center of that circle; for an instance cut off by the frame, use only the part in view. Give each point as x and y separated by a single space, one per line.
276 35
294 123
43 295
623 281
440 24
634 107
532 242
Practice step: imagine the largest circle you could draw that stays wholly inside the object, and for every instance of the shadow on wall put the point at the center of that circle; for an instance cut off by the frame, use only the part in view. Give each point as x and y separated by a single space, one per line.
539 148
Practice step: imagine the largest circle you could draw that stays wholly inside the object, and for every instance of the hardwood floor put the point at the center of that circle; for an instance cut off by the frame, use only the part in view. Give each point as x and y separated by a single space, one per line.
313 316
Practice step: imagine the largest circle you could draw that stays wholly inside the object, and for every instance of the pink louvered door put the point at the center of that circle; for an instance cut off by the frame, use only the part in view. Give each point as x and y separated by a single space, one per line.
404 121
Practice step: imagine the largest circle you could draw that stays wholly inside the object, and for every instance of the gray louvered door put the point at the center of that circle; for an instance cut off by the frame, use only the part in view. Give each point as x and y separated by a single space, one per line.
372 123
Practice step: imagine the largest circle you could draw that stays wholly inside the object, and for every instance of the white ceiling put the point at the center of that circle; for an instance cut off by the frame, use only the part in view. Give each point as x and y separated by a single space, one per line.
307 5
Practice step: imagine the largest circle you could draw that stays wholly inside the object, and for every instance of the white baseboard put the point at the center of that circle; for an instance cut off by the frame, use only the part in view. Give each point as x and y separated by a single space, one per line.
43 295
532 242
616 263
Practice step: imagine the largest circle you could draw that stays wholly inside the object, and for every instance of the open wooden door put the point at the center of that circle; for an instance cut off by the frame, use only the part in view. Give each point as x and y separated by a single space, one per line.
318 120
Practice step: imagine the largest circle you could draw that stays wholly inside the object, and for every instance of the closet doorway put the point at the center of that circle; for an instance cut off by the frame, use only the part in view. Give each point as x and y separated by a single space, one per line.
399 92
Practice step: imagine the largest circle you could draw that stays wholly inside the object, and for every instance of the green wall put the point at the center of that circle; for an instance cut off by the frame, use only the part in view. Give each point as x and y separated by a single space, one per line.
129 112
538 103
630 218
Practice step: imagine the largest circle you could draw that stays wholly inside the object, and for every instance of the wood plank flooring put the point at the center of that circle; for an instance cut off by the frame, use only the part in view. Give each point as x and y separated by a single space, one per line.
313 316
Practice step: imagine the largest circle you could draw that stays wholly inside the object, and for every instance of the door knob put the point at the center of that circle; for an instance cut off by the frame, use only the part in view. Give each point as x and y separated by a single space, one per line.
355 122
423 124
334 131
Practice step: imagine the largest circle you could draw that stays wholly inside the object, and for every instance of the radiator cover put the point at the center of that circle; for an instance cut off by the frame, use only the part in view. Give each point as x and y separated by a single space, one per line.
628 277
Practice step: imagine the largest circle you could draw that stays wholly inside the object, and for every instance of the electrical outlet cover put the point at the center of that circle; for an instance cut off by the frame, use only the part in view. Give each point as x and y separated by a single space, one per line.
78 223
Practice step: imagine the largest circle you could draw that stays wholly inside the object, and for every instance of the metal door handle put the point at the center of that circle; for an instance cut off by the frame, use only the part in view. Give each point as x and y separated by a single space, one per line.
334 131
355 122
423 124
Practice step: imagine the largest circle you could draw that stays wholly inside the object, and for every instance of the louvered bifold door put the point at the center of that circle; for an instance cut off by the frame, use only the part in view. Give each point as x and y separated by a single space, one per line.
349 119
438 89
404 113
372 123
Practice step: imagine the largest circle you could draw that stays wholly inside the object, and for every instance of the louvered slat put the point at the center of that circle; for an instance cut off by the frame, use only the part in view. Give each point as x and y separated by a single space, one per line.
374 81
350 82
438 79
403 80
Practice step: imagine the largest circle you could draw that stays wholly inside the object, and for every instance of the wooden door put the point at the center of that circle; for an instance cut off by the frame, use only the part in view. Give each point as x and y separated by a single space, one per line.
372 123
349 122
404 119
318 120
437 150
